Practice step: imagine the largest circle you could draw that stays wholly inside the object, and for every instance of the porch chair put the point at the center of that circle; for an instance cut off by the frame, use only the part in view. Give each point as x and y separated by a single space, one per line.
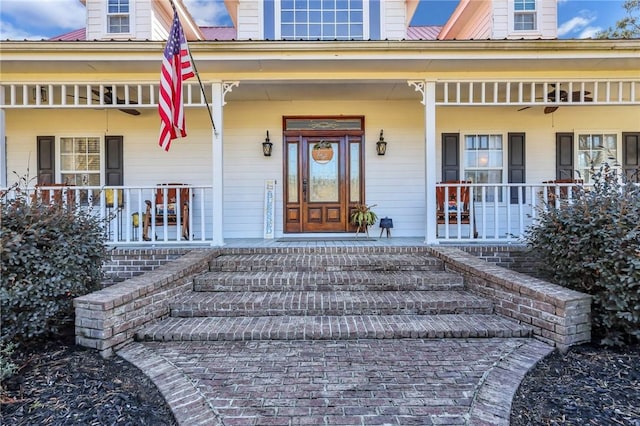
452 205
168 207
563 191
65 196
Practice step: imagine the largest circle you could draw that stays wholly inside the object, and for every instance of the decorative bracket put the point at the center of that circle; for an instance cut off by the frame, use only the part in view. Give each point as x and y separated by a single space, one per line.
227 87
419 86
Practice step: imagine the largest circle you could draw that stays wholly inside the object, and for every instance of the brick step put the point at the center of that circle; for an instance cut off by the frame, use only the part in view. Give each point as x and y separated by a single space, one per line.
327 303
325 281
332 328
325 262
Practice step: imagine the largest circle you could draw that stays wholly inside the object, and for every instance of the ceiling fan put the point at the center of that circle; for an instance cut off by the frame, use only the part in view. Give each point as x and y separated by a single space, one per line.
562 96
108 99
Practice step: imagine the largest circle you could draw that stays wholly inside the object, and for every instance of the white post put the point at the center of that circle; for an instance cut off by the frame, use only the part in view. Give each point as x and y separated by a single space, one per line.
217 165
430 162
3 146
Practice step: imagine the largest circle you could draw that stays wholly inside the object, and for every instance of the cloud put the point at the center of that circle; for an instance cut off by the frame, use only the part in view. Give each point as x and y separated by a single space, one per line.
577 24
65 14
9 32
208 13
589 32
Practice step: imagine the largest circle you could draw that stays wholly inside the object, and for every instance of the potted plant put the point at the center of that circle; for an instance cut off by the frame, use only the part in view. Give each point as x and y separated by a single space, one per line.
363 217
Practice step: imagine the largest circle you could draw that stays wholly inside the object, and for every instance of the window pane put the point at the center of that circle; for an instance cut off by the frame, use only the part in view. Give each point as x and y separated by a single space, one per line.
80 161
354 170
324 182
595 150
524 21
292 168
66 145
322 19
287 17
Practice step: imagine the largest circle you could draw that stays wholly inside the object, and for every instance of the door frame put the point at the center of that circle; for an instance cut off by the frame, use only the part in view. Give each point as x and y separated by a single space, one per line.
293 217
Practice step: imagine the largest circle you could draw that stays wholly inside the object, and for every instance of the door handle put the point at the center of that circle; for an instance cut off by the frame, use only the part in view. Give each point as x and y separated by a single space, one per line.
304 190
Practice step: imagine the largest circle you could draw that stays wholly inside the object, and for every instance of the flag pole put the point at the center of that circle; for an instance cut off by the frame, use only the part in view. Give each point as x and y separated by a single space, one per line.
195 71
204 94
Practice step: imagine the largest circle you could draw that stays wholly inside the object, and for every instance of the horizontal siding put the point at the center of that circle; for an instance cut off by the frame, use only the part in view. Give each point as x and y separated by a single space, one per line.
500 28
249 20
549 19
394 17
95 20
141 20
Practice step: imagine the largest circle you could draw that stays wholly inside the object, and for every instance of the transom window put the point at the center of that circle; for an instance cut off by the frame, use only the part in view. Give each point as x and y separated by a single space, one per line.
593 151
524 15
484 161
118 16
322 19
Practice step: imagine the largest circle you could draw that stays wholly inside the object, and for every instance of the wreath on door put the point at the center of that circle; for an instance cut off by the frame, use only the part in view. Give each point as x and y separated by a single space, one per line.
322 152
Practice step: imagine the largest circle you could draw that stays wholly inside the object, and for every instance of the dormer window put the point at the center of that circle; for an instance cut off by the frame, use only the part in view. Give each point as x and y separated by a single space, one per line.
524 16
118 16
322 19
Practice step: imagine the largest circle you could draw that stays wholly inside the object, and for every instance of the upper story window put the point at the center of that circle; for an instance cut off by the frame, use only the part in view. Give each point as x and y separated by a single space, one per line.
118 16
322 19
524 16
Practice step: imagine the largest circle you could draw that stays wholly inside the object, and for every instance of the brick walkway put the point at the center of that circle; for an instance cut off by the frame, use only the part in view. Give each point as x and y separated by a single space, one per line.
339 382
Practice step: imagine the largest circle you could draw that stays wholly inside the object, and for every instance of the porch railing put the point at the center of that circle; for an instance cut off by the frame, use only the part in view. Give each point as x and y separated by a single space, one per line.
155 214
158 214
498 212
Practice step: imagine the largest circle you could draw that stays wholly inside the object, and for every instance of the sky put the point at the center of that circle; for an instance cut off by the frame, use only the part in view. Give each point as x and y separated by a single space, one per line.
42 19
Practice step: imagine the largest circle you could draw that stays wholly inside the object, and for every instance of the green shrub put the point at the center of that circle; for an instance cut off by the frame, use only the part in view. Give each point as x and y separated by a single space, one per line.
592 244
7 366
50 254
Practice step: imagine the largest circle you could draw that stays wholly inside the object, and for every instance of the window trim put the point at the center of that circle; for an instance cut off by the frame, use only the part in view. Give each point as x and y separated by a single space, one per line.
504 177
58 153
590 132
366 17
130 15
512 19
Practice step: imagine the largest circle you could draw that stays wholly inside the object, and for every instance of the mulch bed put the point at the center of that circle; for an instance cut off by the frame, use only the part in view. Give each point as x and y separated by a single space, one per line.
60 383
63 384
590 385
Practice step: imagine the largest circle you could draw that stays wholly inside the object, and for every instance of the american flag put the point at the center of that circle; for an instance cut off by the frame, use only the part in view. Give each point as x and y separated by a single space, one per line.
176 67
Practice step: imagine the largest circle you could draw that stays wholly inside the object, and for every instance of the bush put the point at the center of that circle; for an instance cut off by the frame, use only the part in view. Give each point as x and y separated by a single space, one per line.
592 244
50 254
7 366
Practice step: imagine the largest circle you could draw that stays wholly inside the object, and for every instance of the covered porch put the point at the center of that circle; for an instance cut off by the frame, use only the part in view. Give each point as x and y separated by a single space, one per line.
429 110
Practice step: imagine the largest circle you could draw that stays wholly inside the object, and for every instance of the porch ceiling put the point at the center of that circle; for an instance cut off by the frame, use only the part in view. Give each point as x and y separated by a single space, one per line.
323 90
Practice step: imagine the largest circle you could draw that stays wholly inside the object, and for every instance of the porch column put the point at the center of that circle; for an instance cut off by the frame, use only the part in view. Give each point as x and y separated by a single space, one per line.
217 210
3 148
430 161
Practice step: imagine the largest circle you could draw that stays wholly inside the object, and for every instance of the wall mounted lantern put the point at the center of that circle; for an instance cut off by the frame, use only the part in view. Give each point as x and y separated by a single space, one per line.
381 145
267 146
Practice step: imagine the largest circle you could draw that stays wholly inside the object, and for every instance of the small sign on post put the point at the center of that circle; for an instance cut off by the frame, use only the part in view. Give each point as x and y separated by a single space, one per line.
269 203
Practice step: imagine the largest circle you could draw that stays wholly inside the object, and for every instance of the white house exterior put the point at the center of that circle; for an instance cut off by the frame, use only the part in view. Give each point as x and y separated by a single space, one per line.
494 98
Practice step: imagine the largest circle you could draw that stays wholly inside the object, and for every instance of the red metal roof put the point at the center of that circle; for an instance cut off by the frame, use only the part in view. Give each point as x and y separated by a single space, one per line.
218 33
80 34
424 33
